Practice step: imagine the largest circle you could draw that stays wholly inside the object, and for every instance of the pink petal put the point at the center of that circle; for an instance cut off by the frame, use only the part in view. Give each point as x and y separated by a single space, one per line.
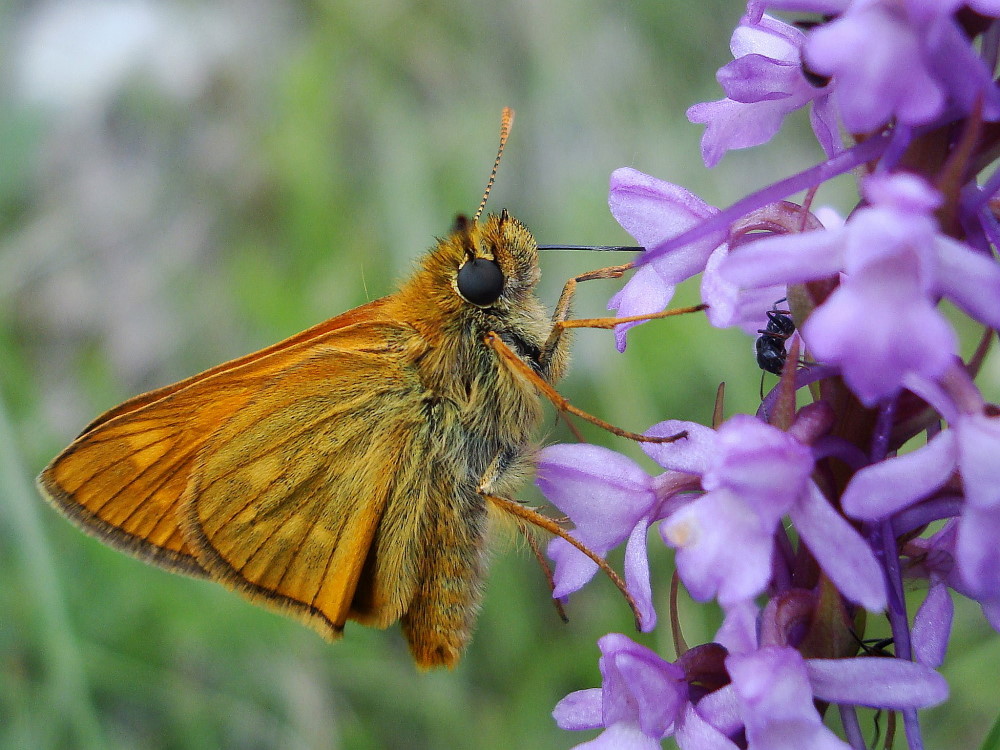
840 550
932 626
879 490
580 710
785 259
970 279
878 683
692 454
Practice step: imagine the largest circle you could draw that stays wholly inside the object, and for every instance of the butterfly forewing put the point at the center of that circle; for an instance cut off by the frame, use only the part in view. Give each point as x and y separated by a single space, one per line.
124 480
369 312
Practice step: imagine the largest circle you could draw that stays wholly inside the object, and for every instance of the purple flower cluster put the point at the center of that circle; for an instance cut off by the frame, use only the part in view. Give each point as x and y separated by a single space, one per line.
796 520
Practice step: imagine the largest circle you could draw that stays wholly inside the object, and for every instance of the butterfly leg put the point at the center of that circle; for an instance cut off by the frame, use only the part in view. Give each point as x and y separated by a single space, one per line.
521 368
525 515
553 349
609 323
529 536
561 321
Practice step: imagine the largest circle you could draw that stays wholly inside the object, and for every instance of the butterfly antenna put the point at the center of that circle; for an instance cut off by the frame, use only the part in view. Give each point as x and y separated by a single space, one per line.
506 119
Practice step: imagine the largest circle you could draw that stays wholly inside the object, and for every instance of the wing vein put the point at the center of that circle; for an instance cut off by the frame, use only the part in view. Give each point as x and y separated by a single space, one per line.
114 495
302 502
271 448
298 551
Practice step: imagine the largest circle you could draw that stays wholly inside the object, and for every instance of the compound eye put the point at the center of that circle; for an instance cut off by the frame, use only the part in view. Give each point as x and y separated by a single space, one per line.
480 281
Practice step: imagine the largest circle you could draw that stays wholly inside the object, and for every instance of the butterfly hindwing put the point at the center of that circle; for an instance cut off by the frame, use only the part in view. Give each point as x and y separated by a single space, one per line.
287 497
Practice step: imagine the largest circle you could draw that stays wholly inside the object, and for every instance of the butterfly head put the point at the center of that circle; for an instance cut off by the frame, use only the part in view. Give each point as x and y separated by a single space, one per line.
489 265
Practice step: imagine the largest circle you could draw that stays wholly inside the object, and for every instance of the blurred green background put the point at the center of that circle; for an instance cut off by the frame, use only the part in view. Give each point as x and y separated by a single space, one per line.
184 183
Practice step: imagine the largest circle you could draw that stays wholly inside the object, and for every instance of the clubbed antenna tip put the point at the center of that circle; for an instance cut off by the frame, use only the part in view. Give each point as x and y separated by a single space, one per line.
506 120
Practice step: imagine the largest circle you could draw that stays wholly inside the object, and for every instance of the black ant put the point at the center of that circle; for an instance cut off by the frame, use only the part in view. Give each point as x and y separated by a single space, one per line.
771 354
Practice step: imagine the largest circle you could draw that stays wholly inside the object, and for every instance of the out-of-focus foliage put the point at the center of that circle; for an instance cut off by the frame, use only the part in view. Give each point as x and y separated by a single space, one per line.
182 183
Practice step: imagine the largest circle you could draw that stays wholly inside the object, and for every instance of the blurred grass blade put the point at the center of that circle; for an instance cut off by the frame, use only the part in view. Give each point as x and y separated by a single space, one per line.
992 741
68 692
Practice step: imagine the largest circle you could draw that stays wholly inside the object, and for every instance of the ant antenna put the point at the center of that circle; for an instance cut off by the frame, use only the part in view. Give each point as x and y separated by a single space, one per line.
506 120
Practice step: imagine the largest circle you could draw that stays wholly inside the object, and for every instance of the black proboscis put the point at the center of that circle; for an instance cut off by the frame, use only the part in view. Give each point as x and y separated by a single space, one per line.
599 248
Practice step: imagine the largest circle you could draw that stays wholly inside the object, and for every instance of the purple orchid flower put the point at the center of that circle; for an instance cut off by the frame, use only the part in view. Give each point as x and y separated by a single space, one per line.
882 322
969 449
919 37
642 700
754 474
775 687
764 83
614 500
653 210
768 693
913 77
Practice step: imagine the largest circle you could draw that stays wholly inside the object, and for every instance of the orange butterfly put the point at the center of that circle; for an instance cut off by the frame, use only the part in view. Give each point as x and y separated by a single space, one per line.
350 471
